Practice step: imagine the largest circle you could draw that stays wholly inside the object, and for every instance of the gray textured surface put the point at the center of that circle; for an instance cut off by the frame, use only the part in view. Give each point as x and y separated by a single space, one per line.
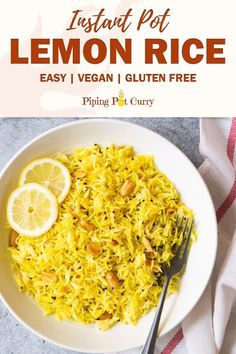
15 133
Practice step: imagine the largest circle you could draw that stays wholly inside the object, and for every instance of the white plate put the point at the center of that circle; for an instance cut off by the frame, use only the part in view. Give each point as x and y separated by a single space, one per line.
193 191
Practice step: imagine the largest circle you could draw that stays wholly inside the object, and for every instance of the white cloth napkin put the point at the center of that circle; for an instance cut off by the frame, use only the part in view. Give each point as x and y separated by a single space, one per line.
211 327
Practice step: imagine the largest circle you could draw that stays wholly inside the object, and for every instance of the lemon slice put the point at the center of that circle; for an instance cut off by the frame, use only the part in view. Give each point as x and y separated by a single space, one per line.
51 174
32 210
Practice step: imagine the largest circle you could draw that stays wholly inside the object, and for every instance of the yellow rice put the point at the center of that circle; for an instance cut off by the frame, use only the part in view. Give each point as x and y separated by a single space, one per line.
78 289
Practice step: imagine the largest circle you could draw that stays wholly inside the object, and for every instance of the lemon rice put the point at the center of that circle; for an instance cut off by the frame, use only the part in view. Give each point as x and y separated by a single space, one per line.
101 261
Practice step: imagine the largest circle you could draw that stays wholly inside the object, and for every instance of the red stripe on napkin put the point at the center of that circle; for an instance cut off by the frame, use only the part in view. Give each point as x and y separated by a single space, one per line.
230 153
231 141
173 342
227 202
178 337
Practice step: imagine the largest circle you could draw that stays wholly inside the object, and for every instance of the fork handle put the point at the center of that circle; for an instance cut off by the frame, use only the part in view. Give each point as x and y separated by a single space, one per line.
149 345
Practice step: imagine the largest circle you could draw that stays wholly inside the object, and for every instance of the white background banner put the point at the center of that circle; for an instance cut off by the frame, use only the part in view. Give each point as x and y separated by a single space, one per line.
181 32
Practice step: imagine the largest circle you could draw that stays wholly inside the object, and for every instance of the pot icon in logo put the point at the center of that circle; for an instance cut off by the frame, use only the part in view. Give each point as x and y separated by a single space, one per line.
121 99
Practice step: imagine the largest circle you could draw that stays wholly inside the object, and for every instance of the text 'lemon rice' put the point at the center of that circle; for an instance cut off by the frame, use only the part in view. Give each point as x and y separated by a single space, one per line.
102 258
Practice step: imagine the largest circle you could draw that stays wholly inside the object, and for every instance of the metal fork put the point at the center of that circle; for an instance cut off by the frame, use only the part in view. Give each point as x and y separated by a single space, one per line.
176 265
